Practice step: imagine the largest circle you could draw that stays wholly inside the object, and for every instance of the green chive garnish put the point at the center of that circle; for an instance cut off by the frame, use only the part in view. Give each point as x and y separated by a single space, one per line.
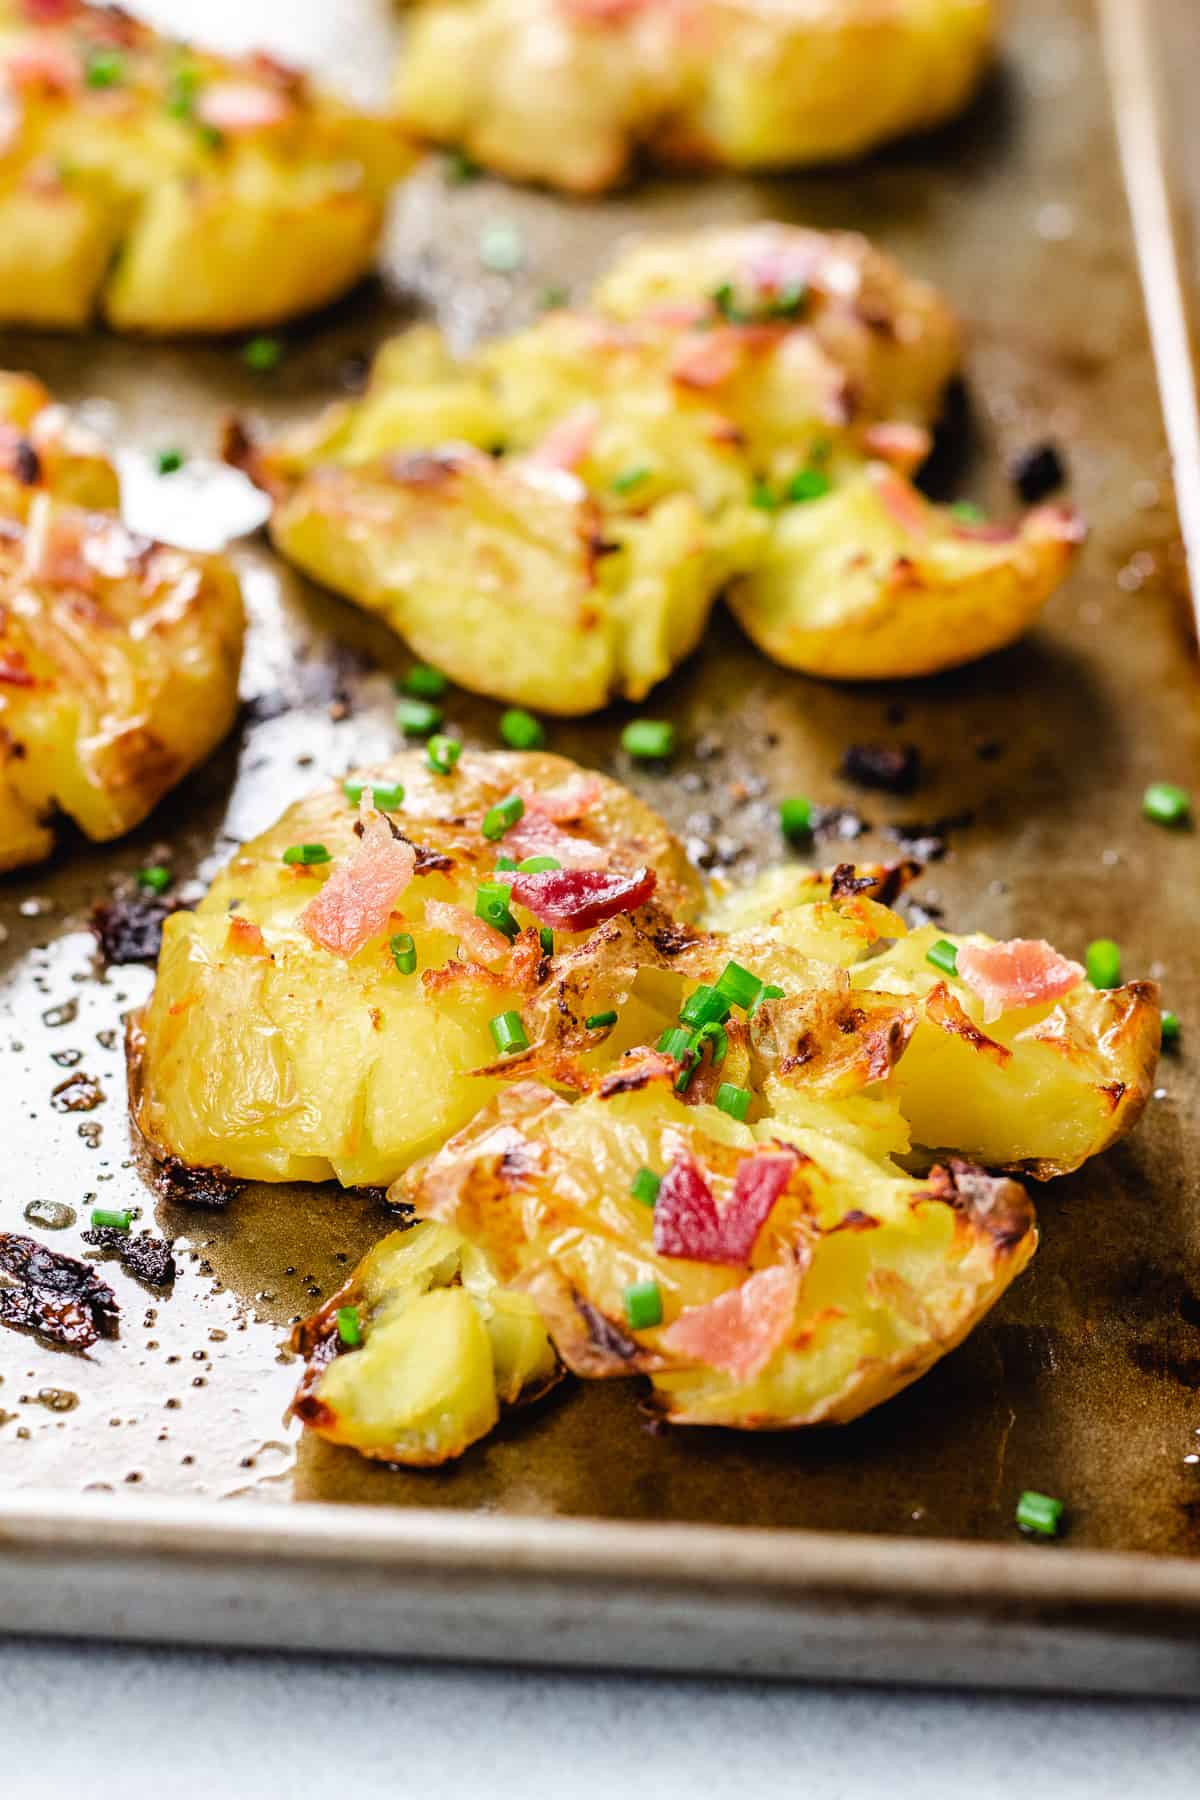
704 1006
508 1033
808 484
424 682
944 956
502 817
733 1100
546 940
306 854
643 1305
418 718
404 952
1167 804
442 753
628 479
105 69
387 796
157 879
966 512
716 1035
763 495
1103 960
645 1186
461 167
167 462
181 92
349 1327
551 298
648 740
739 986
1170 1028
1039 1513
500 248
538 865
520 730
103 1220
600 1021
491 905
796 817
262 354
507 863
675 1042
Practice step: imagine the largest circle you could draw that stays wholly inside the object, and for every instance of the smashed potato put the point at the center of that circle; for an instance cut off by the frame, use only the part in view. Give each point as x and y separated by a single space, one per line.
170 190
119 657
551 519
566 91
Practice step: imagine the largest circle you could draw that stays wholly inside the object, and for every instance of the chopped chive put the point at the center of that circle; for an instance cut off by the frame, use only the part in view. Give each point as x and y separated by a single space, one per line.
500 248
967 513
538 865
502 817
156 878
552 297
645 1186
424 682
418 718
770 992
763 495
167 462
1103 960
705 1005
725 301
790 300
1170 1028
388 796
1039 1513
628 479
796 817
491 905
600 1021
262 354
306 854
104 69
508 1033
181 92
717 1036
112 1221
944 956
808 484
648 740
349 1328
1167 804
442 753
210 136
675 1042
461 168
733 1100
520 730
506 863
404 952
546 940
739 986
643 1305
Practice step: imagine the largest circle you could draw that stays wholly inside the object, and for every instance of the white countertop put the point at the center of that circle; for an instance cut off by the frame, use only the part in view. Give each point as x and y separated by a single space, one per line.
103 1722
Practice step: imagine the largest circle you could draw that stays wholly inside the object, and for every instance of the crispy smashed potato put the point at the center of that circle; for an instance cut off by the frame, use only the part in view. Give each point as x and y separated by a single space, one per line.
170 190
119 657
567 91
551 519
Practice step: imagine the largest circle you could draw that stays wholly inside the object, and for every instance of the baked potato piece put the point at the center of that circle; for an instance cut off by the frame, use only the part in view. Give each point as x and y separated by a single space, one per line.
413 1358
775 1277
552 518
565 92
284 1041
170 190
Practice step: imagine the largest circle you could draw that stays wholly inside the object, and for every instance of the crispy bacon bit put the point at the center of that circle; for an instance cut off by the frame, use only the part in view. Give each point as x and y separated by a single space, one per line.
357 900
987 531
707 359
602 12
15 671
577 899
236 106
46 64
1020 972
535 835
147 1257
474 934
905 447
900 500
844 883
568 443
688 1224
740 1331
59 1297
565 804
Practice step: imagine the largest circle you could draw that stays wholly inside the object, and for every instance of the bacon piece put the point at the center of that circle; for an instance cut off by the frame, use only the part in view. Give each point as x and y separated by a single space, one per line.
904 446
577 899
15 671
688 1224
987 531
1019 972
706 359
46 64
740 1331
473 933
49 12
602 12
900 500
568 443
237 106
357 900
677 312
533 835
563 804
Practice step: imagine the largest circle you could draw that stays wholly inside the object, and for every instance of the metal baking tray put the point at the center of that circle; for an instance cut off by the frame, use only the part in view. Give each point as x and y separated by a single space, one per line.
151 1489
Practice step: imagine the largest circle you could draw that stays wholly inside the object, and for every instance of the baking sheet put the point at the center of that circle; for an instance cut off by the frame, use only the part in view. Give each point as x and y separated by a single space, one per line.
1085 1381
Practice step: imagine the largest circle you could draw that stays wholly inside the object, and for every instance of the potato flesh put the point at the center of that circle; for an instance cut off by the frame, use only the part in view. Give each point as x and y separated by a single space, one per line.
552 518
544 91
274 218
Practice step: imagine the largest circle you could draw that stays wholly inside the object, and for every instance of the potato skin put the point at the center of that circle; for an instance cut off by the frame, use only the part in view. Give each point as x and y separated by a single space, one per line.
234 193
565 91
119 657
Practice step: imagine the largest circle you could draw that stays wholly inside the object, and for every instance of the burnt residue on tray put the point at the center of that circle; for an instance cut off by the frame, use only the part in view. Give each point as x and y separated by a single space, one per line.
928 842
146 1256
60 1298
128 929
179 1182
892 768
